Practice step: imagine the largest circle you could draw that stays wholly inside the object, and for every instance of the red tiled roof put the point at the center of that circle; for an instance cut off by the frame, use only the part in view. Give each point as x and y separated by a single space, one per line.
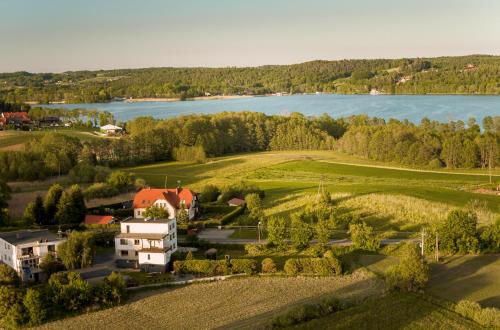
236 201
22 115
98 219
146 197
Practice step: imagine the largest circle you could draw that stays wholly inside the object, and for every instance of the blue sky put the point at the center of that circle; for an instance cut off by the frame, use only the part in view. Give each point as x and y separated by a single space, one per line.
60 35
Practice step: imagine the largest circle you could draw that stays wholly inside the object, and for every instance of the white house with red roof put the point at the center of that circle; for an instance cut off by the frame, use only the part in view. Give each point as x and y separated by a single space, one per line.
172 200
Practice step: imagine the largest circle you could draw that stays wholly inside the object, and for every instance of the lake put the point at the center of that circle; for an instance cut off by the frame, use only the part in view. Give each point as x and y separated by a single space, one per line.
412 107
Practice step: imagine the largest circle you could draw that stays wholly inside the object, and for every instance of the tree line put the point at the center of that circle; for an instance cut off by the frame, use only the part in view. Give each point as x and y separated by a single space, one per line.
428 144
477 74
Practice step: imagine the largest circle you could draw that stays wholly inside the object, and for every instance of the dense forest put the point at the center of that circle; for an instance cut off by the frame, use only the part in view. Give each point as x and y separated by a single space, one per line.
429 144
476 74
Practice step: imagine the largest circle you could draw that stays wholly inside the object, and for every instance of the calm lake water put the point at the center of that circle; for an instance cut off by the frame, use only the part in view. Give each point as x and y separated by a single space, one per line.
413 107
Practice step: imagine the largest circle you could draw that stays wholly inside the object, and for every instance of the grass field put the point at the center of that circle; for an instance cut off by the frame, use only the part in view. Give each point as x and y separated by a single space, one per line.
15 140
394 311
288 177
455 278
246 303
474 278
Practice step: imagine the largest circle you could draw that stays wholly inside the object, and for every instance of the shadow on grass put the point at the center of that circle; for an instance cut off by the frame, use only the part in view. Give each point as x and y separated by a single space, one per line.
468 279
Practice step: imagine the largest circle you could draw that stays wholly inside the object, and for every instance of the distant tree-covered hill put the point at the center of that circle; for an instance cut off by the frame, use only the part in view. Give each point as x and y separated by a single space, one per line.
475 74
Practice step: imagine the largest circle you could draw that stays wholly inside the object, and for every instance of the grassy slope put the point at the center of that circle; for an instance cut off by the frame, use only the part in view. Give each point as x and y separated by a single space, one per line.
474 278
19 138
245 303
455 278
288 173
395 311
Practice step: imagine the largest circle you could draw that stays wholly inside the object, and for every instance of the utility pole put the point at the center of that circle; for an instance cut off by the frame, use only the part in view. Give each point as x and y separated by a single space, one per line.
437 246
166 181
423 239
320 187
258 230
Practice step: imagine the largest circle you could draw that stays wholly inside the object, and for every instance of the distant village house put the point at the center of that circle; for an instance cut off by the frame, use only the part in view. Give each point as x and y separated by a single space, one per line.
99 220
111 129
16 119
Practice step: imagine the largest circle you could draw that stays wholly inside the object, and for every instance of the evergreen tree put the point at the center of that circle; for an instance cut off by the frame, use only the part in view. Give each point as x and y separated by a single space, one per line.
35 212
51 201
4 197
71 207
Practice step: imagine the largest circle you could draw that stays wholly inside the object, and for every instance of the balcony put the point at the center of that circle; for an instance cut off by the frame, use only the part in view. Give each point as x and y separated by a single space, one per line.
28 257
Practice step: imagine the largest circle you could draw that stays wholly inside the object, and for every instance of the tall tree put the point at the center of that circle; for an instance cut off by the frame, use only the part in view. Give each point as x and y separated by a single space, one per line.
4 197
51 201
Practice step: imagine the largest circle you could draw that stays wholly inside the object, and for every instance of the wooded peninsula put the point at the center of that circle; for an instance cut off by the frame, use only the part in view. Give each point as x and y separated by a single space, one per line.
475 74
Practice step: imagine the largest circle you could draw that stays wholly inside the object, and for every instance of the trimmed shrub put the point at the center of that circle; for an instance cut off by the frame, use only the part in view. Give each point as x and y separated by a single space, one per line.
313 266
292 267
201 267
247 266
269 266
256 249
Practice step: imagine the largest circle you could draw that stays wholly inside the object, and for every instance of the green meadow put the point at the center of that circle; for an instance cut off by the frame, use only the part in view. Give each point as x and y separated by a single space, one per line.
288 176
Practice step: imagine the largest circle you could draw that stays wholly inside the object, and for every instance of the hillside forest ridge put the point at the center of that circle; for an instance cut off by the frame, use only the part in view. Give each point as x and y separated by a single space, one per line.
474 74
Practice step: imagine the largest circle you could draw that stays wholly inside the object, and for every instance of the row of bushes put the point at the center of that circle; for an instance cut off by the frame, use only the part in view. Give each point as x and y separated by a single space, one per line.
216 267
305 313
313 266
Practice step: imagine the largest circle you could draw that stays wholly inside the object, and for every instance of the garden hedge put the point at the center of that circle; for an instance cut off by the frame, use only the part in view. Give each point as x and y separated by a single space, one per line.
313 266
215 267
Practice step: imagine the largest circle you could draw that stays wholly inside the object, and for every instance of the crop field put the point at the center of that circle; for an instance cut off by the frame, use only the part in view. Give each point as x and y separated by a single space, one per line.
213 305
394 311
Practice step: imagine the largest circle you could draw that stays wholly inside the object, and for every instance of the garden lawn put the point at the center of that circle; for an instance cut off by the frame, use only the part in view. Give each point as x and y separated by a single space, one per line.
244 303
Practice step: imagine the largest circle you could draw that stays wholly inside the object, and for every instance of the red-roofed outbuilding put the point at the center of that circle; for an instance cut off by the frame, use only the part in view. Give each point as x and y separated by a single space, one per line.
99 219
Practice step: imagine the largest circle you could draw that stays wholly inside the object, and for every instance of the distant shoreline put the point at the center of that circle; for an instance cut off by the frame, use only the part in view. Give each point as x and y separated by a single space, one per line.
198 98
229 97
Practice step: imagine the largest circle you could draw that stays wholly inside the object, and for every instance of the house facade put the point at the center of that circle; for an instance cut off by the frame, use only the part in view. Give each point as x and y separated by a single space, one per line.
146 243
171 200
23 250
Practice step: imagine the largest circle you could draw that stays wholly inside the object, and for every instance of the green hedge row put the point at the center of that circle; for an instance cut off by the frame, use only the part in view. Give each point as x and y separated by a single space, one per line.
216 267
313 266
231 216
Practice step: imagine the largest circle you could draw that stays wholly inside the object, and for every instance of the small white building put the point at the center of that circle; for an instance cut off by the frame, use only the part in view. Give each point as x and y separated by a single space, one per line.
111 129
146 243
22 250
171 200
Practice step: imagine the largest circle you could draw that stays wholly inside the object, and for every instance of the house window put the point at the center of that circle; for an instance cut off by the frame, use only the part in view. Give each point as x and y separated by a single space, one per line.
149 257
138 213
123 241
51 248
128 229
124 253
136 253
137 242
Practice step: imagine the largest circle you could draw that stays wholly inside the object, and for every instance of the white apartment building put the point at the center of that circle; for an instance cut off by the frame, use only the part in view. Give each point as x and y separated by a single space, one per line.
22 250
146 243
